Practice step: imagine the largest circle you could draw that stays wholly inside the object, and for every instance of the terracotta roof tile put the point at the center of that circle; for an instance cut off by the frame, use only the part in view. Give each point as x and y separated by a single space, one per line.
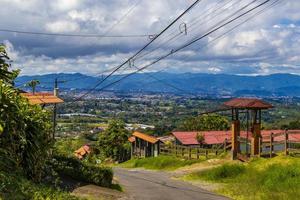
42 98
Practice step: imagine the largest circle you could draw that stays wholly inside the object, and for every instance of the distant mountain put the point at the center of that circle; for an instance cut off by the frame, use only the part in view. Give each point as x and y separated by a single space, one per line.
213 84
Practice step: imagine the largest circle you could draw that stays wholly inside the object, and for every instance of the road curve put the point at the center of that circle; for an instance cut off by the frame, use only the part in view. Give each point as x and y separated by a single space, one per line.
153 185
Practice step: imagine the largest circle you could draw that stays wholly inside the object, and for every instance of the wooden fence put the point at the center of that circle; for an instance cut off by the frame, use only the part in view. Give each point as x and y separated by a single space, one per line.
192 152
283 142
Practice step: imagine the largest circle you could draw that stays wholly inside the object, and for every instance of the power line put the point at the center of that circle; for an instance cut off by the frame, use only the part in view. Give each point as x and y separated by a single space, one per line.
186 45
142 49
188 28
74 35
123 17
105 35
276 2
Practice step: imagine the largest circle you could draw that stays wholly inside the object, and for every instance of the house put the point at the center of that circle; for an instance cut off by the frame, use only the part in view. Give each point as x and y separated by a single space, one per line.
82 152
209 137
218 137
143 145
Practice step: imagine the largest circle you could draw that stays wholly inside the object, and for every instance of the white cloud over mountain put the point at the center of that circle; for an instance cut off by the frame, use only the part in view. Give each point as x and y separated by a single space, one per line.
266 44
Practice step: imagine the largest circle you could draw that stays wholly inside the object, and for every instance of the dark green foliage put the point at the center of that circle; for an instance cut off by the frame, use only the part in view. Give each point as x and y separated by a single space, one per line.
293 125
32 84
15 186
5 75
78 170
25 130
113 142
205 123
67 146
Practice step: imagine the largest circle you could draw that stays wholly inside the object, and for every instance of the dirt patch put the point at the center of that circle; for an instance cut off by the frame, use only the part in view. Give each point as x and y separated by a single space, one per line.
94 192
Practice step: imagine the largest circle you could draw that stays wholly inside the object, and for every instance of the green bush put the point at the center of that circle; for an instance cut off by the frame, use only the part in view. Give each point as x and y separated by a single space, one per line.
75 169
25 133
159 163
15 186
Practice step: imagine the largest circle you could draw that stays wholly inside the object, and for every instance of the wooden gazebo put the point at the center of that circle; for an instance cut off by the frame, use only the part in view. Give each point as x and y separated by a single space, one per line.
253 108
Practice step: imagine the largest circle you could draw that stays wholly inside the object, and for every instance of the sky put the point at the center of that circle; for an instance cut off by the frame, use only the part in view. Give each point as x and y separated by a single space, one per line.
265 44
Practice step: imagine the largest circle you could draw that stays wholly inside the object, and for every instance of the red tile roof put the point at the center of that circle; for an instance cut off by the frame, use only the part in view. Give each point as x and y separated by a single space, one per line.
210 137
41 98
248 103
218 137
145 137
131 139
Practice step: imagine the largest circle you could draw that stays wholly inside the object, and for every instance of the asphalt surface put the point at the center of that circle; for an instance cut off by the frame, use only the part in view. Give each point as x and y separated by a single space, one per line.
152 185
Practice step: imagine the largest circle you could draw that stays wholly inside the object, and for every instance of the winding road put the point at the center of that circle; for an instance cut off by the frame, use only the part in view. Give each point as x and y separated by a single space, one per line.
153 185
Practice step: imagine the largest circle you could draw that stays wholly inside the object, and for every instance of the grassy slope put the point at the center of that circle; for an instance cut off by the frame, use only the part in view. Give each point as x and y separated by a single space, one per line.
277 178
158 163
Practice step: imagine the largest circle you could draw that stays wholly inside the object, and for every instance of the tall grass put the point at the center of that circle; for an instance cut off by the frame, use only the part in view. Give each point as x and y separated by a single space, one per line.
277 178
220 173
159 163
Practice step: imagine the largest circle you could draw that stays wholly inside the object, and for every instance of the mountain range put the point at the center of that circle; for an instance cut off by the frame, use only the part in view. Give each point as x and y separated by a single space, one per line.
185 83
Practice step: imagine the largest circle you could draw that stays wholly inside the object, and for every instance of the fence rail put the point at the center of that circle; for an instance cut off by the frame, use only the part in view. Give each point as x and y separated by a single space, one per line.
191 152
279 142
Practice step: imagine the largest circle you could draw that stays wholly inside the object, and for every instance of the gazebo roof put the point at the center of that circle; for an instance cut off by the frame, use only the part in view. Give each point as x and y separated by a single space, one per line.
248 103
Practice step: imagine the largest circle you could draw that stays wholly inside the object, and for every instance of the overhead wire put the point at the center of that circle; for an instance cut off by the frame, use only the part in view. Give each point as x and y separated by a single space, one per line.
187 44
142 49
104 35
73 35
174 37
276 2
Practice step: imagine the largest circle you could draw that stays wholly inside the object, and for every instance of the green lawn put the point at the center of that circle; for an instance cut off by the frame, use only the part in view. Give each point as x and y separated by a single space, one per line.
159 163
277 178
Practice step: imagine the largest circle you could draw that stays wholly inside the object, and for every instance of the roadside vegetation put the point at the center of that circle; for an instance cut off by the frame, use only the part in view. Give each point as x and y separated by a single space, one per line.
25 144
277 178
167 163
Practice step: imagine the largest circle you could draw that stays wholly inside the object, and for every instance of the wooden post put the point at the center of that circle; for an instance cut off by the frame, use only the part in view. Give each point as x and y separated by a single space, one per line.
140 148
206 153
286 147
182 152
175 150
235 129
197 152
190 153
259 147
271 145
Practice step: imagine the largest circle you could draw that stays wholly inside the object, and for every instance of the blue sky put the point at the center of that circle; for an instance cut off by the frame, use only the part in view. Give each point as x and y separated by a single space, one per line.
268 43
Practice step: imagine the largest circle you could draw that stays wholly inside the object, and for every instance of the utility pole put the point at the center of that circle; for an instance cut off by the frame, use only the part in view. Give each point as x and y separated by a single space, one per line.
55 92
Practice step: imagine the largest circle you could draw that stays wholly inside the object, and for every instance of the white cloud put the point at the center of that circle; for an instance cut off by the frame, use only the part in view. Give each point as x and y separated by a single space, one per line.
270 38
62 26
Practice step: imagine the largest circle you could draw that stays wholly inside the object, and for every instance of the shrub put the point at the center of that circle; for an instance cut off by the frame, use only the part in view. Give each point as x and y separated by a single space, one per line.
75 169
159 163
15 186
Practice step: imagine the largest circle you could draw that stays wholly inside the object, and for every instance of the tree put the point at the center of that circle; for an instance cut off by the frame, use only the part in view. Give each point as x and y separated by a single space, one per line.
200 138
33 84
205 123
113 142
25 129
6 75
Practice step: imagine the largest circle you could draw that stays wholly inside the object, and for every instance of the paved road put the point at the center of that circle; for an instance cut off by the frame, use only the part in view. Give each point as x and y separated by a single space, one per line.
152 185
